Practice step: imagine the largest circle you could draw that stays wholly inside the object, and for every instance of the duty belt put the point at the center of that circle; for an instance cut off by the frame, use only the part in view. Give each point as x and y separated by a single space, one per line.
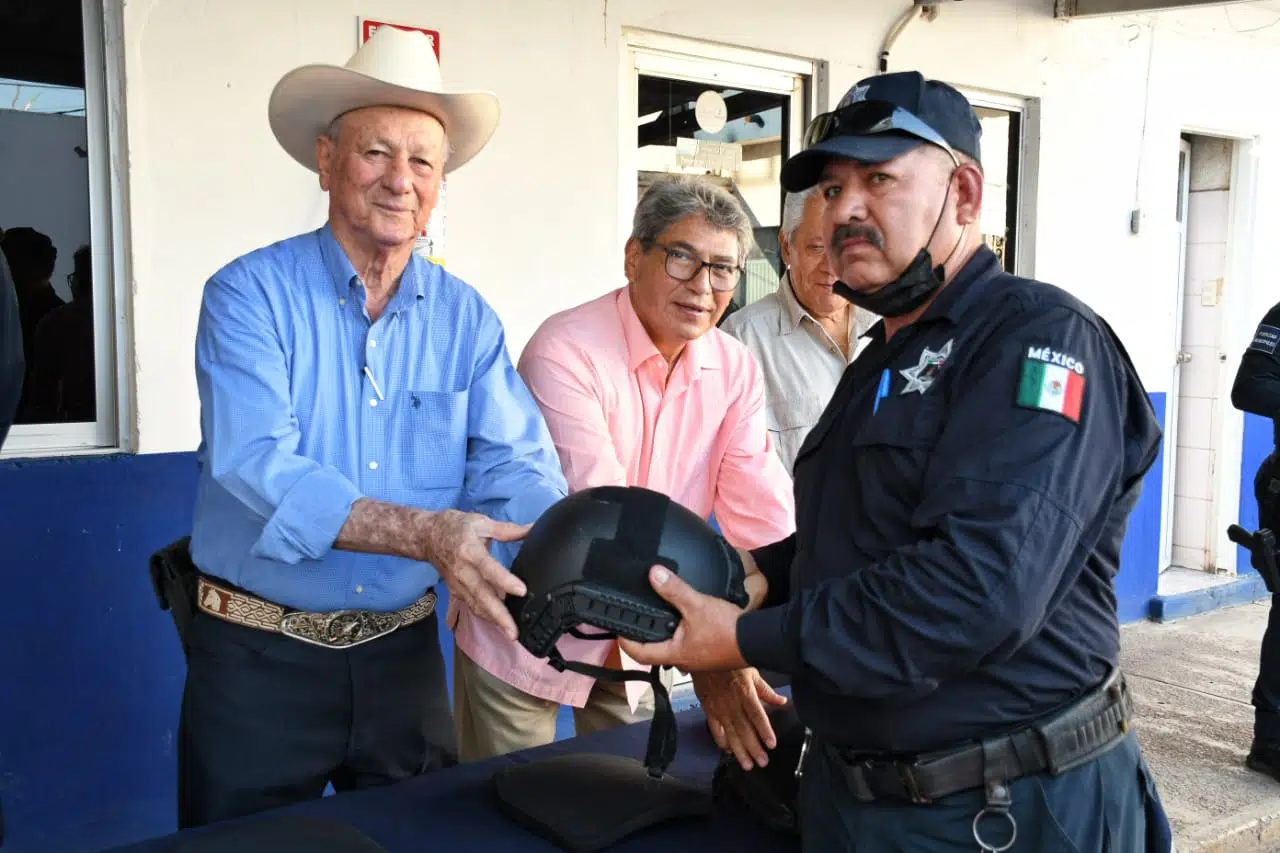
1085 730
338 629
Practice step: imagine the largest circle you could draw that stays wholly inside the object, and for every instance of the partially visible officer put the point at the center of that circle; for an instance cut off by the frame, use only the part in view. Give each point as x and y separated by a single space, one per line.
945 608
12 368
1257 390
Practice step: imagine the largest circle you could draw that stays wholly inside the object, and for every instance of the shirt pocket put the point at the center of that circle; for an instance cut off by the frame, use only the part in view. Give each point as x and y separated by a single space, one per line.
891 454
892 451
790 413
433 433
909 425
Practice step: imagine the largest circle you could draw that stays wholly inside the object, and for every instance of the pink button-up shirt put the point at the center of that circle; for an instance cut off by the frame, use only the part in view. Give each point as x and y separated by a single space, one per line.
699 436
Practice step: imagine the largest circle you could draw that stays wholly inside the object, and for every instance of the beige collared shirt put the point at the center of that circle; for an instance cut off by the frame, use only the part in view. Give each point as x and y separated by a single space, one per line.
801 362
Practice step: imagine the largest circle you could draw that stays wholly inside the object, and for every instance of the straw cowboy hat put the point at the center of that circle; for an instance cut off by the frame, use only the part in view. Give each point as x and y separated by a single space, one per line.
393 68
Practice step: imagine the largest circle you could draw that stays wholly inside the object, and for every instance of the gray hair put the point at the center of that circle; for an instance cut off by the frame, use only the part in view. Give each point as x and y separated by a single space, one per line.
673 198
793 211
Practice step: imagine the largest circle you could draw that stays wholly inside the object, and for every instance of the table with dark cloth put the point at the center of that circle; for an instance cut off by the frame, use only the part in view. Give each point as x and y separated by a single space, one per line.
456 809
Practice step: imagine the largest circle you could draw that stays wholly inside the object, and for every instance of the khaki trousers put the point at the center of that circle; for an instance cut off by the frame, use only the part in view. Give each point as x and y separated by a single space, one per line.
493 718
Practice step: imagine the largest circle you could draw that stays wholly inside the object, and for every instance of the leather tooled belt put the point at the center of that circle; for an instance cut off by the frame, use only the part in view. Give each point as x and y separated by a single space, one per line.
339 629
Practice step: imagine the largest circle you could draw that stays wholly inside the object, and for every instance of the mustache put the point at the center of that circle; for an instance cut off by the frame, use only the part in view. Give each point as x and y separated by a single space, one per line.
853 231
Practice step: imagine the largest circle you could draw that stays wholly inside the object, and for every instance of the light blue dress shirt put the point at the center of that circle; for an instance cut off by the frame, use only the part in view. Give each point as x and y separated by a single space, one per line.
294 429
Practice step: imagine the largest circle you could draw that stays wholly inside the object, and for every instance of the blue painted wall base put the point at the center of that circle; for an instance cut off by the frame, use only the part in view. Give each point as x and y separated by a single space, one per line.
1257 443
1139 575
91 667
1167 608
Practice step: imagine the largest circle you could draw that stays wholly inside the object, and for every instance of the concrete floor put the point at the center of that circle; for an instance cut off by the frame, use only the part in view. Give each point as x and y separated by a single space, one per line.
1191 681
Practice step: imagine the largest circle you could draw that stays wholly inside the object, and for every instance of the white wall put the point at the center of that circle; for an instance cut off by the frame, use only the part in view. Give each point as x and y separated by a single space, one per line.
533 222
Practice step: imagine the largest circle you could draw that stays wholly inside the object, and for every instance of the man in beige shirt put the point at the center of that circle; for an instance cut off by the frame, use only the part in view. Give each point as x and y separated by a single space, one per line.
804 335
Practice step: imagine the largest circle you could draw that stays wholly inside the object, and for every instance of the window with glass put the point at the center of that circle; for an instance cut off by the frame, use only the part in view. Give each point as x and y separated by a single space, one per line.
733 123
54 223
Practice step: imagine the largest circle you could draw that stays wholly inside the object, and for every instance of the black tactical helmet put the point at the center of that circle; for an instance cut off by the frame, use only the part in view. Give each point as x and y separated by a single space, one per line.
587 558
586 561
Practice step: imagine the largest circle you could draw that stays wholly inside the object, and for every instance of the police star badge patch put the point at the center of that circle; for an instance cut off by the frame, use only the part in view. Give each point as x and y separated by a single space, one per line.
921 376
1052 381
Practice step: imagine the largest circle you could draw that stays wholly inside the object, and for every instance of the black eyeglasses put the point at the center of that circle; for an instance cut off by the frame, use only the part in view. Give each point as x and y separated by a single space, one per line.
683 265
867 118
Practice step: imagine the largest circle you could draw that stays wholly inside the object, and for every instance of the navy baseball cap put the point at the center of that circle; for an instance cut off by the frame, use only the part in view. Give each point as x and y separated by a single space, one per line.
883 117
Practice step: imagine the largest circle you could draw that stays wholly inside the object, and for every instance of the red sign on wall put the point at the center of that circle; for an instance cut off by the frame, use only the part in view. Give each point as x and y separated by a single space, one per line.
368 28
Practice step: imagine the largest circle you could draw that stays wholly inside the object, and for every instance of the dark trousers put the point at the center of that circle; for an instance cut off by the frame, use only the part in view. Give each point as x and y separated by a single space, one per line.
268 720
1109 803
1266 690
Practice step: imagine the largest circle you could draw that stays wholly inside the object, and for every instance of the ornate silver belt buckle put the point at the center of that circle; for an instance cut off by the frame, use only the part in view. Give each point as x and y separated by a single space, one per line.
341 629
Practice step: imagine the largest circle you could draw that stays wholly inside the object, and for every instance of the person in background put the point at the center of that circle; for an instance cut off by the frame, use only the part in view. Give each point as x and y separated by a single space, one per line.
803 334
12 361
365 437
62 380
1257 390
32 258
639 388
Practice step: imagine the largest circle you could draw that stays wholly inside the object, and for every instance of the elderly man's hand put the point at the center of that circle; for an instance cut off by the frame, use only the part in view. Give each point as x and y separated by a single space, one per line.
457 544
706 639
734 706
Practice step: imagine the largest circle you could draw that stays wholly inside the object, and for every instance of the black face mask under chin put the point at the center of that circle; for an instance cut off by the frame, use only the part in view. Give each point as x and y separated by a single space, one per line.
905 293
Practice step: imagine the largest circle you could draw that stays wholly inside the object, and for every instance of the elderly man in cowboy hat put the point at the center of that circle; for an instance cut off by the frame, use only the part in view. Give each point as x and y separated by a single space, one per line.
365 437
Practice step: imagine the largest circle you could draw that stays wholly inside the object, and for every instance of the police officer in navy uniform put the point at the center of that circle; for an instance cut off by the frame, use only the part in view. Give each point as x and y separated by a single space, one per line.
946 609
1257 390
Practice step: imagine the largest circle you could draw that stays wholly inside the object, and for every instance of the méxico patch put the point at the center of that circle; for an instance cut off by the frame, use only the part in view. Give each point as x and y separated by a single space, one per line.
1265 339
1053 381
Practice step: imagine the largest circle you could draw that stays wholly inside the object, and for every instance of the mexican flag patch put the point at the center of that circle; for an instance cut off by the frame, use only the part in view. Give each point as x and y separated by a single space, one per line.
1052 381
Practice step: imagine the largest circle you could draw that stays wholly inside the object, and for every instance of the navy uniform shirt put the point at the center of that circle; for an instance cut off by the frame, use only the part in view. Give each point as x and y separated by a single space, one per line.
1257 385
960 509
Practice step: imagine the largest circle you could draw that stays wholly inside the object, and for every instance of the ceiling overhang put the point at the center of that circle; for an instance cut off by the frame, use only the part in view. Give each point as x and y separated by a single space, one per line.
1103 8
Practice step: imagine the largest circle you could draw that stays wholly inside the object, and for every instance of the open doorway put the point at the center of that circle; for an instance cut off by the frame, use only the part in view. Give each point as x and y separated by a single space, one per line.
1191 553
1002 136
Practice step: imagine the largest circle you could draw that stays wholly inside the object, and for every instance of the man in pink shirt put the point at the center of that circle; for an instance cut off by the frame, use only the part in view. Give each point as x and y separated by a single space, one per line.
639 387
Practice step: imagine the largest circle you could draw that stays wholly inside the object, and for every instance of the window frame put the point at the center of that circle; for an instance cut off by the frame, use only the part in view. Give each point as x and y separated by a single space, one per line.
651 53
102 22
1026 169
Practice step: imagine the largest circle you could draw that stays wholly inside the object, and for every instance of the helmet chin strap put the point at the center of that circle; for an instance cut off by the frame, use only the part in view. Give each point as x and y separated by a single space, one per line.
661 749
915 285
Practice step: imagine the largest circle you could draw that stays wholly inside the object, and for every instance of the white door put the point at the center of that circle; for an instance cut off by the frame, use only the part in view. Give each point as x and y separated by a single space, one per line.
1199 371
1171 399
